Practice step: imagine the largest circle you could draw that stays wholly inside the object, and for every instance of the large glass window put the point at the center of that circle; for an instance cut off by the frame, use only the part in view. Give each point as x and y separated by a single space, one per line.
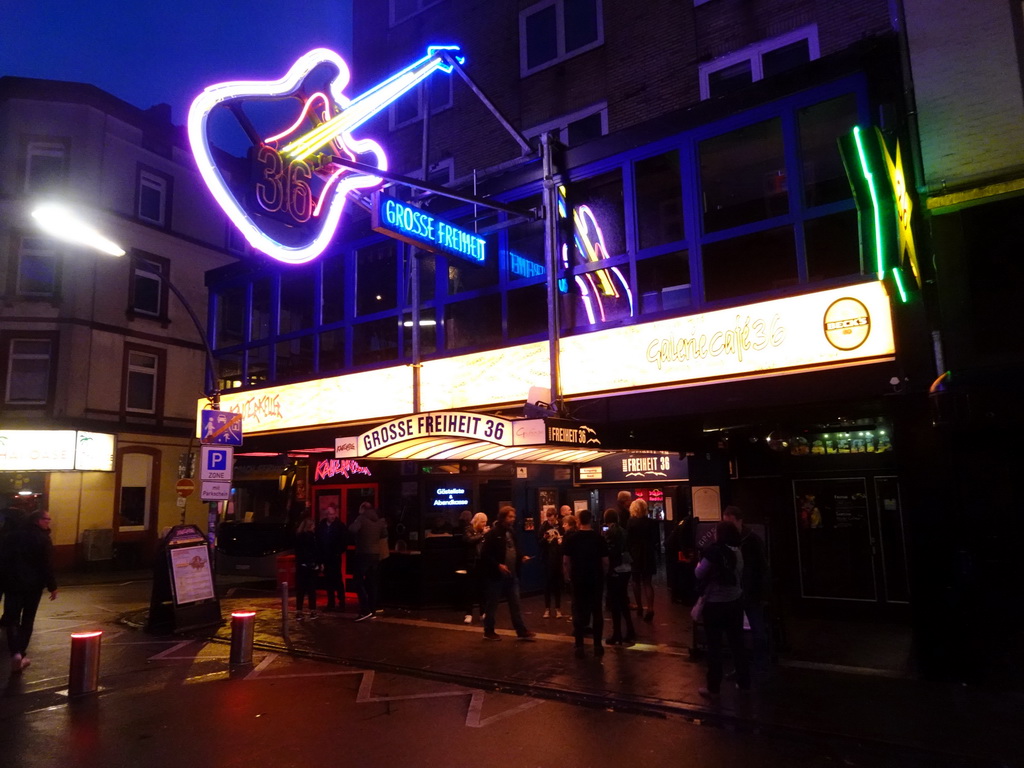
525 251
231 304
294 358
466 275
473 323
553 30
298 307
375 341
820 126
428 333
46 165
29 367
38 269
659 200
332 350
148 290
833 247
750 264
528 311
598 216
764 58
258 366
663 282
333 289
376 278
743 176
262 306
142 370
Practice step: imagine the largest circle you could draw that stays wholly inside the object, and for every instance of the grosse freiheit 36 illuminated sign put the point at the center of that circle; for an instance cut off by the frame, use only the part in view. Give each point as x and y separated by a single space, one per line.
299 127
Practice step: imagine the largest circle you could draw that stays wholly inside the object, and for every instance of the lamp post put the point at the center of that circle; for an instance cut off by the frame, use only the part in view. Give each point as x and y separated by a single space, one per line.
67 224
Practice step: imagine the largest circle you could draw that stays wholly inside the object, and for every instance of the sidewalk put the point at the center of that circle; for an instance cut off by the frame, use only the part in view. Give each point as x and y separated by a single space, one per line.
655 676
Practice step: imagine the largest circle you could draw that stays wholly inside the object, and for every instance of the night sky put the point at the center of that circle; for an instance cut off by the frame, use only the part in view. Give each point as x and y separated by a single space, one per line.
164 51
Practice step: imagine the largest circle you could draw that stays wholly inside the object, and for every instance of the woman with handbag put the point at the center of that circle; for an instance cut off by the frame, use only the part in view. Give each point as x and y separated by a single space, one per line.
719 572
619 571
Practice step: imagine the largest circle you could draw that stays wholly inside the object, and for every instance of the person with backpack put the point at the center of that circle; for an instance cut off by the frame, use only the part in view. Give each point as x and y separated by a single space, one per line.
719 572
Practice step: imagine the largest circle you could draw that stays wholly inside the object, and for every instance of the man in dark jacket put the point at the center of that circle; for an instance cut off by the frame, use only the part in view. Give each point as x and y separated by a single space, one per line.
756 583
331 541
500 563
585 559
28 568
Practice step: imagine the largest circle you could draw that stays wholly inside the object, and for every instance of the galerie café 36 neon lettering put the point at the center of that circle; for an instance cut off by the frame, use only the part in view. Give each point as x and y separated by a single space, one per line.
310 194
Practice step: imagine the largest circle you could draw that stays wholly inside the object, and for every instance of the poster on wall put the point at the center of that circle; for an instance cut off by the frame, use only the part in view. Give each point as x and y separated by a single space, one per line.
707 503
834 539
191 575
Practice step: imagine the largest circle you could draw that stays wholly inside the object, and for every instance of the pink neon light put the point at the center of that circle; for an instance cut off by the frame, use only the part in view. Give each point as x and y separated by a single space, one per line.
242 614
85 635
318 96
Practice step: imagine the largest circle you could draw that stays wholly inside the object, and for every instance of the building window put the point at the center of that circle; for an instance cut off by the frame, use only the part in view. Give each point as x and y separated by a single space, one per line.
406 9
136 494
153 197
376 278
659 200
148 289
29 371
38 266
756 263
409 108
577 128
473 323
555 30
142 373
46 165
739 69
663 283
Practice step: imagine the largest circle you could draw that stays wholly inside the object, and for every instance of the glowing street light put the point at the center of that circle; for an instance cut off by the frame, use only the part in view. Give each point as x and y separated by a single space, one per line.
62 223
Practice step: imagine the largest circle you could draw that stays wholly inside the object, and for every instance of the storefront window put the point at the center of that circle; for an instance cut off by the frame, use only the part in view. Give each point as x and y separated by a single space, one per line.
743 176
465 275
756 263
261 308
298 288
473 323
428 333
294 357
833 246
375 342
231 315
525 252
136 477
528 311
820 125
332 350
663 282
376 278
659 200
332 300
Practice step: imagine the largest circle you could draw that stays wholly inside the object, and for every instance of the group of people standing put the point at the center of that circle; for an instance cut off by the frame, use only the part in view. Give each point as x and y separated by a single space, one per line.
26 569
319 547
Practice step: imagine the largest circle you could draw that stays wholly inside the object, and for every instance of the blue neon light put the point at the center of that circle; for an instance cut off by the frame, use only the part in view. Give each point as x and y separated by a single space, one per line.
421 228
523 267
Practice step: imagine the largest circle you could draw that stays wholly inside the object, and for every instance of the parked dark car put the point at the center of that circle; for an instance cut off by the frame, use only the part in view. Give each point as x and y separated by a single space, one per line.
251 549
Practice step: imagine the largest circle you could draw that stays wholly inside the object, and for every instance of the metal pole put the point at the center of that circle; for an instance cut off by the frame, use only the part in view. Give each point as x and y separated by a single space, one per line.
243 624
284 611
551 259
84 672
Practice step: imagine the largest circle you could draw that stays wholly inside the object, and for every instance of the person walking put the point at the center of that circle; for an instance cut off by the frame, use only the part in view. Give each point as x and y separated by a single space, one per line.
585 558
367 530
307 566
332 541
720 572
619 571
641 538
622 501
551 561
27 562
756 585
473 538
500 563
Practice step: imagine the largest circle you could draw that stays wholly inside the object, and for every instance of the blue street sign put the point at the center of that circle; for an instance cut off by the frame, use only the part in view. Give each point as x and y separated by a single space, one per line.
221 428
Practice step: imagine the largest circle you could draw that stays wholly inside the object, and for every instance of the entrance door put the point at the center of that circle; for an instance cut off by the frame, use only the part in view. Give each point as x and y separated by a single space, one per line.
850 539
346 498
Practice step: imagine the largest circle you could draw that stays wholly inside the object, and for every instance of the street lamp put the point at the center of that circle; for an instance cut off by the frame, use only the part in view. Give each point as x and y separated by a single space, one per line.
62 223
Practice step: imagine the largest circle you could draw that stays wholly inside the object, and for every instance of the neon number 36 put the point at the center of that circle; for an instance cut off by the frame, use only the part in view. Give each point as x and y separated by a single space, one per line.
284 189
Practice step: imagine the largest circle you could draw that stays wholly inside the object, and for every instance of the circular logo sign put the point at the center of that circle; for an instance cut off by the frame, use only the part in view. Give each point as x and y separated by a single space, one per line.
185 487
847 324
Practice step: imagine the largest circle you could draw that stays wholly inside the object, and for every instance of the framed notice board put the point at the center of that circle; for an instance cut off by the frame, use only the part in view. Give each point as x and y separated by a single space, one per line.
184 596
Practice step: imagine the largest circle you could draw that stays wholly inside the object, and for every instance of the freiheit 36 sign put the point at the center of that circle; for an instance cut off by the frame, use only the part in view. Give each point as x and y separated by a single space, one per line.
292 205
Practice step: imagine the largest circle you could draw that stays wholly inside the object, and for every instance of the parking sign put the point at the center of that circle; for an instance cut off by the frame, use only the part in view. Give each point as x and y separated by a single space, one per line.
216 462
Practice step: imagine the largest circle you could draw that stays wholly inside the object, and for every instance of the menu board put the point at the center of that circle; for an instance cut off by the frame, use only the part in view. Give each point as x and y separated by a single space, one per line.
190 574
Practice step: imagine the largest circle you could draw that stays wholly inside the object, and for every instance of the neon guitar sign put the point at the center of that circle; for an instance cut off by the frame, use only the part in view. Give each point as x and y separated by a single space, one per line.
292 207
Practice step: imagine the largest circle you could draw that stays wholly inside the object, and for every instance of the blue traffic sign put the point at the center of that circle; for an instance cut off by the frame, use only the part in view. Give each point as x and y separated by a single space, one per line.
221 428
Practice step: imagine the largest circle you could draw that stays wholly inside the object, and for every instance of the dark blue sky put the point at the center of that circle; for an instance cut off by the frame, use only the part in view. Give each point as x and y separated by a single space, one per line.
165 51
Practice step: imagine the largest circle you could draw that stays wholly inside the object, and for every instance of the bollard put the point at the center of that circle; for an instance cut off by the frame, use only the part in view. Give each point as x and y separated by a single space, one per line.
243 624
284 611
84 674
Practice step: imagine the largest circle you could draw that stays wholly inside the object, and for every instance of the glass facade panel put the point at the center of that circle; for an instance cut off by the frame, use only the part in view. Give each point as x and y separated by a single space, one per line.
375 342
332 300
659 200
820 126
473 323
428 333
528 311
294 358
743 176
833 246
466 275
376 278
262 290
598 216
258 372
332 350
298 305
229 369
755 263
525 251
231 314
663 282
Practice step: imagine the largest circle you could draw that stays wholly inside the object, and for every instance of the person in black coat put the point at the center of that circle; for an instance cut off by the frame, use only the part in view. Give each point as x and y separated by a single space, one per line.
331 542
27 562
307 566
500 563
